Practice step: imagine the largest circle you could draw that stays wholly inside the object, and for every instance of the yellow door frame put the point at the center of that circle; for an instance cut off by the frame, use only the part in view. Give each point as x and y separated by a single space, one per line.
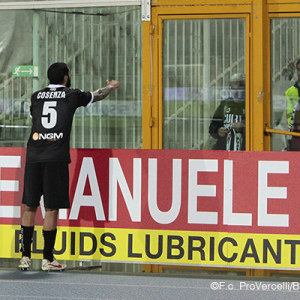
253 12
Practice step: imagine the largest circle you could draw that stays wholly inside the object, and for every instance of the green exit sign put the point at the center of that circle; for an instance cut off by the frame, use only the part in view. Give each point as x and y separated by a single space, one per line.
25 71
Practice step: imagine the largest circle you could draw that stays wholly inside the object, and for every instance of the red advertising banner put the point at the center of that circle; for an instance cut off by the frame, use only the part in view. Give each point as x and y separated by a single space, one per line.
243 206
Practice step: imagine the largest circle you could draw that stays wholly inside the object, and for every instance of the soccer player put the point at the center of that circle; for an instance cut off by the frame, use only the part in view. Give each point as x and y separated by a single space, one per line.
48 155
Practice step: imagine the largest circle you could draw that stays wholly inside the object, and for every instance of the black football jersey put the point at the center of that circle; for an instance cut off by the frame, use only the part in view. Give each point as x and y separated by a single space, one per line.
52 110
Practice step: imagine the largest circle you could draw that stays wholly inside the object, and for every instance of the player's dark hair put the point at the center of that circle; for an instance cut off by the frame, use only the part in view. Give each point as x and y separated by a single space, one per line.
56 73
297 62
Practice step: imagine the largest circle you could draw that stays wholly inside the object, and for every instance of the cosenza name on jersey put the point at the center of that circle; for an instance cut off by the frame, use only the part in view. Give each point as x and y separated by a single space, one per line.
51 95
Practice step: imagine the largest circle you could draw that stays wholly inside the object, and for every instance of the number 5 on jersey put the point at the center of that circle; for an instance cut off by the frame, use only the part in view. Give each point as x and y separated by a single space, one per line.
49 115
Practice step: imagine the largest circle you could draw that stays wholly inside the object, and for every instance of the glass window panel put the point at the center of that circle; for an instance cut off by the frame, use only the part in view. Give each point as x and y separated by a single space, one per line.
204 84
97 44
285 44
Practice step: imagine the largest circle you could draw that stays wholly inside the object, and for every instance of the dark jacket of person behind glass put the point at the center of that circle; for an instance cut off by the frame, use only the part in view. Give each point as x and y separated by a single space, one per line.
228 123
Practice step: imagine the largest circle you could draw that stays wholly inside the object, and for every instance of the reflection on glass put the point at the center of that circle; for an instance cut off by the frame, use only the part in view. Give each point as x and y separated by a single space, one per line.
199 58
285 82
97 44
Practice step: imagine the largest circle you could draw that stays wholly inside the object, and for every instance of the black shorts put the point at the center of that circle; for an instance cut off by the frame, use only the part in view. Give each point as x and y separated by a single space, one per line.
50 179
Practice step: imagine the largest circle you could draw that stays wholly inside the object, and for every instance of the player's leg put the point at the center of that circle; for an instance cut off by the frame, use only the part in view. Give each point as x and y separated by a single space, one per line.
27 228
49 232
49 263
56 195
31 197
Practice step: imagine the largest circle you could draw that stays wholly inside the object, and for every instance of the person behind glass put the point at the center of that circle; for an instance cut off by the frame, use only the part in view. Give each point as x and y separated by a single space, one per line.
293 111
48 155
228 122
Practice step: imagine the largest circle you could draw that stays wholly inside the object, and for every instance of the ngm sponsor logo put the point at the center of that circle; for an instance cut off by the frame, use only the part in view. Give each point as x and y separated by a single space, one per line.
51 136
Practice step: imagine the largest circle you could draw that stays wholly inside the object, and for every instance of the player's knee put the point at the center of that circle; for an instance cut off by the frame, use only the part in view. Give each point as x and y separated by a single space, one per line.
30 208
51 212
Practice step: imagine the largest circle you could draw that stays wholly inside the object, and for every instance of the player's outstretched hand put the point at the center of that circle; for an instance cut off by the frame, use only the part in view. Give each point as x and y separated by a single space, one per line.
113 83
100 94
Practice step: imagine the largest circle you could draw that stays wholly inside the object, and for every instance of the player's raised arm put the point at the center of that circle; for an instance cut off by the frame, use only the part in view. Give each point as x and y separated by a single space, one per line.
103 92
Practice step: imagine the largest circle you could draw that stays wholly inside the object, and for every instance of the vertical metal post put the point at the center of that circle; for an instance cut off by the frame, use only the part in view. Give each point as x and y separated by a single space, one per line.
239 51
56 43
109 30
46 41
91 109
194 65
100 30
133 80
184 84
166 75
35 47
206 72
66 36
138 83
199 49
74 35
117 69
82 68
223 50
175 24
125 70
231 46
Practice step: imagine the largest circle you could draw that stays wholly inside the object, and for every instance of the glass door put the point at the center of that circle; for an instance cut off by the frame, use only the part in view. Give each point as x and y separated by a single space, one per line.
203 94
285 82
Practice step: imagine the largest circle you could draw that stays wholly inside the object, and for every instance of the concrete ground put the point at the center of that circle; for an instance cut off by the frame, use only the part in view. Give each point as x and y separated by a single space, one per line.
19 285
